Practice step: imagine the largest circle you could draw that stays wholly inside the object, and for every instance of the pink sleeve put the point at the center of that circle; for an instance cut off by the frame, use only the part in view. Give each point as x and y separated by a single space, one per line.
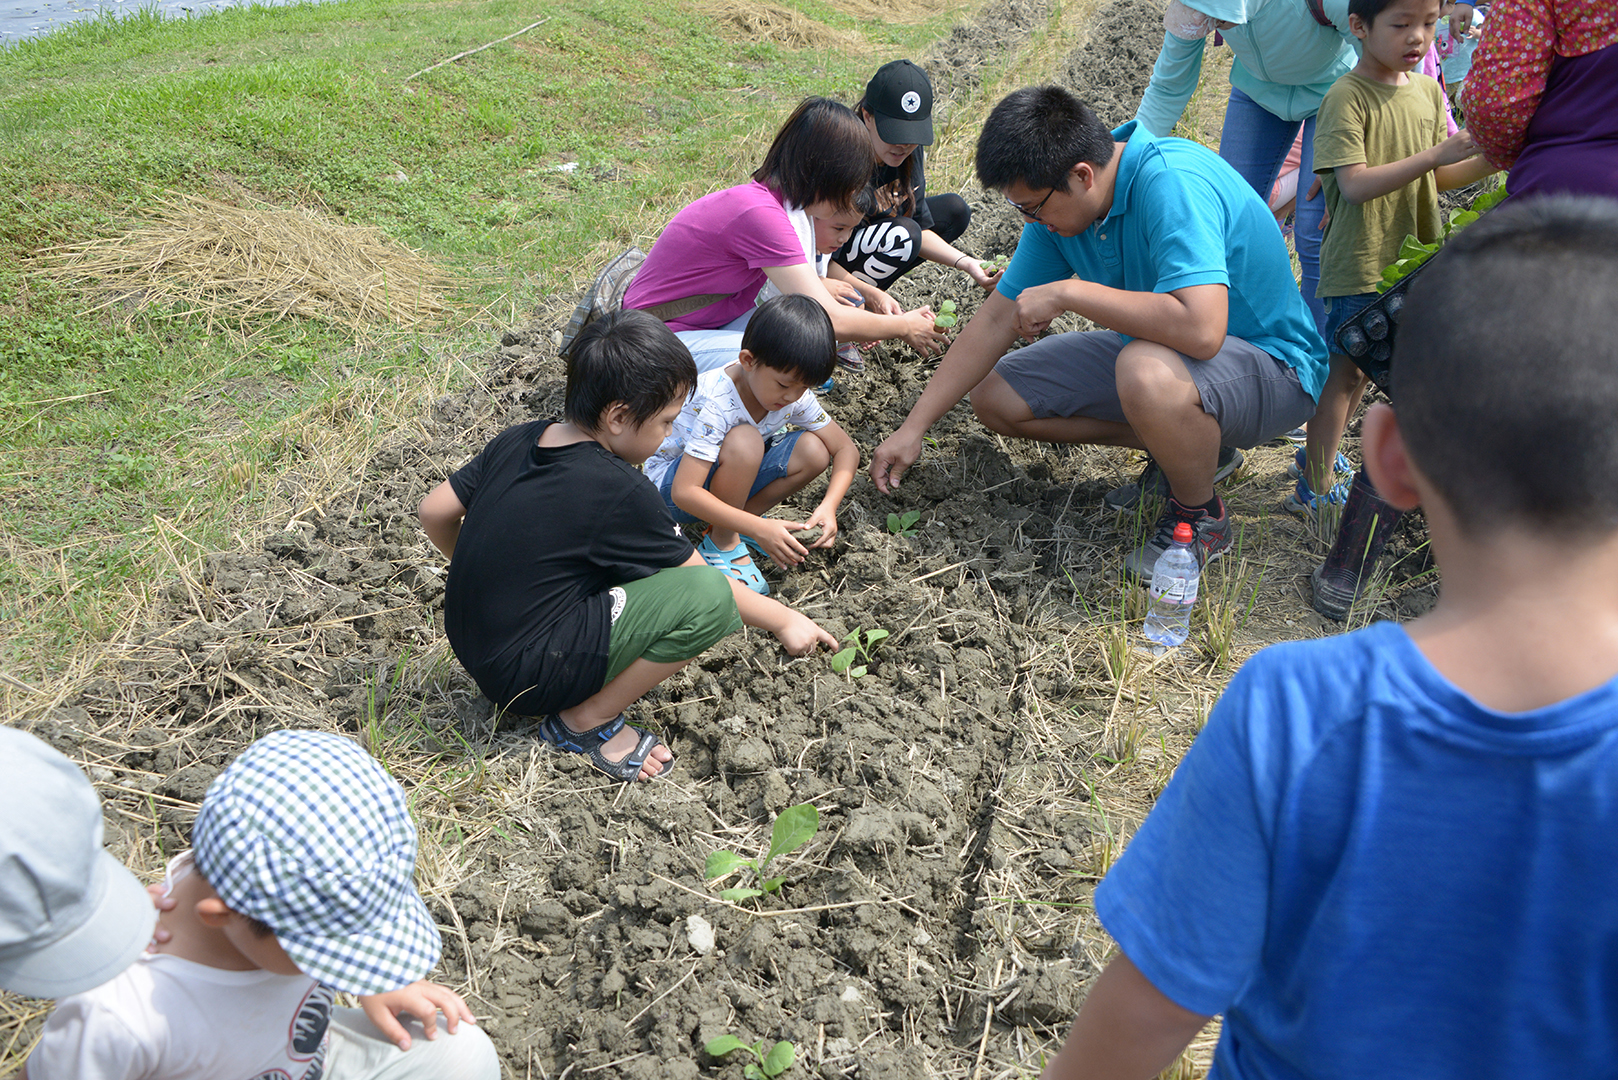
1508 77
1430 68
763 236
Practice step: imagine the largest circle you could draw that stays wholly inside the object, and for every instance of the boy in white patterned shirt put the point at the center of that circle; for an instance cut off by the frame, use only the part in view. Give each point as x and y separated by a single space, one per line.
730 459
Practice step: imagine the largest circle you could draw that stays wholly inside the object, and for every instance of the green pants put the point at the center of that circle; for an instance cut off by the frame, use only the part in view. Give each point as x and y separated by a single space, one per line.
673 615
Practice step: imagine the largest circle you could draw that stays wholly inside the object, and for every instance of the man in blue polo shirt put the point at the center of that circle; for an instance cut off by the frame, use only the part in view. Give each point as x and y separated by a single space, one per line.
1209 343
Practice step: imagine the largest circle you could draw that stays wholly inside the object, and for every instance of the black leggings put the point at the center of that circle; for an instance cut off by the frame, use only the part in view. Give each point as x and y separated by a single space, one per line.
886 250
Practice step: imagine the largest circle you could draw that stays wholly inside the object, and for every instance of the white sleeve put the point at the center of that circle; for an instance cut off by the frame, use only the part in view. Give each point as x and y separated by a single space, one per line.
83 1040
807 413
710 421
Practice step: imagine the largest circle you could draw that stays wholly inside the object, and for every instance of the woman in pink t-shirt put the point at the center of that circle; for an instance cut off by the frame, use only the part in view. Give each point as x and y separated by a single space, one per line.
719 251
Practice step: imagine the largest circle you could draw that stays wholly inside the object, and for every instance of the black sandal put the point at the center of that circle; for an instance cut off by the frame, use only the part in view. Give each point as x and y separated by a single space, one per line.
626 769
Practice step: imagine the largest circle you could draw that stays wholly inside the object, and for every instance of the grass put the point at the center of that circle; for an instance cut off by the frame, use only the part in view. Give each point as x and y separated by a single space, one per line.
123 426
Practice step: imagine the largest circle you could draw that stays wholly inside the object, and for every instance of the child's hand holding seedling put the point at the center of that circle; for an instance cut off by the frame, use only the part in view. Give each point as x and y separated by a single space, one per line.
983 271
924 335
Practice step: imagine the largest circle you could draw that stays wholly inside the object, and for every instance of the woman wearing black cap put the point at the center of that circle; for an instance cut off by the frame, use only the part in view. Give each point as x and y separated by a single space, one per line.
908 224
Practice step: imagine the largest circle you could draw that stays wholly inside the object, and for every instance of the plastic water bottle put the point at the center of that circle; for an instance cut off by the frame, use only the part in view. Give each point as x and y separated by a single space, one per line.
1174 590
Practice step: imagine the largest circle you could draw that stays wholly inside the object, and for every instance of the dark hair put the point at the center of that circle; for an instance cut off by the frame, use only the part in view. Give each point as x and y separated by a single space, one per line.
1368 10
821 154
864 201
259 927
1035 135
1510 406
793 333
899 195
628 356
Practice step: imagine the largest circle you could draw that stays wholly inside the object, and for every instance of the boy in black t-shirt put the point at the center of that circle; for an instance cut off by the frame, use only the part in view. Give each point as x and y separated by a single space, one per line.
571 591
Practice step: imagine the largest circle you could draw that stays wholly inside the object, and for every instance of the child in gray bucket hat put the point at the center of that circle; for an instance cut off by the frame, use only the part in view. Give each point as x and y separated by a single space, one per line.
71 915
299 886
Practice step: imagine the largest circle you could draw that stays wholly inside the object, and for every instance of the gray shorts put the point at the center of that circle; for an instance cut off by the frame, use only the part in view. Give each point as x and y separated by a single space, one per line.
1254 396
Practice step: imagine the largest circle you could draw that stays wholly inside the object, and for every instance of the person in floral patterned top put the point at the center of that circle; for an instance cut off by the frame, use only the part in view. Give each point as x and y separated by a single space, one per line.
1542 96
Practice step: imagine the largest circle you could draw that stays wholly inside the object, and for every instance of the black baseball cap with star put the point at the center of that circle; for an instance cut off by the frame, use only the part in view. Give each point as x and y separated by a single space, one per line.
900 97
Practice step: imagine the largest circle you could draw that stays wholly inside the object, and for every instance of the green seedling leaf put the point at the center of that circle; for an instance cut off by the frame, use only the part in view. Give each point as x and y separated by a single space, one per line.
841 661
857 672
874 636
794 827
944 322
753 1072
721 863
723 1045
736 896
945 316
780 1058
772 885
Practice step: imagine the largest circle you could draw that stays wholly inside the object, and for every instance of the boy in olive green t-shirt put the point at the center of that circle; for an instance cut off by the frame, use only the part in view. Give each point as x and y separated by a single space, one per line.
1382 157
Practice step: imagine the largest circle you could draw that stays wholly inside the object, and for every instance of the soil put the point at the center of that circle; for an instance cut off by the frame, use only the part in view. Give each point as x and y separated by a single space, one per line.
972 786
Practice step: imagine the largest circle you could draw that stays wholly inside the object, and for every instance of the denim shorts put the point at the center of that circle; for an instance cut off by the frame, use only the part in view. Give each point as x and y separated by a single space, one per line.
777 456
1340 309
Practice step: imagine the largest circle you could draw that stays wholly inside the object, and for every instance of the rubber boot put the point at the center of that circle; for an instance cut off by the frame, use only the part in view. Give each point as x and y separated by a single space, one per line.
1367 524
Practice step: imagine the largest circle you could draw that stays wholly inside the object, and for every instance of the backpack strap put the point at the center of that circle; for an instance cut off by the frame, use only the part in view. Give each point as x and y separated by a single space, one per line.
670 310
1317 8
606 294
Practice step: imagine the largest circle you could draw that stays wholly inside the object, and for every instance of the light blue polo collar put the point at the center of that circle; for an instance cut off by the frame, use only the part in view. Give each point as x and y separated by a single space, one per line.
1135 139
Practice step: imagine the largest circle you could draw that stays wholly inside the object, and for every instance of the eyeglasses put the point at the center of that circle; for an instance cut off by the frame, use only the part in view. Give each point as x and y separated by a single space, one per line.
1031 212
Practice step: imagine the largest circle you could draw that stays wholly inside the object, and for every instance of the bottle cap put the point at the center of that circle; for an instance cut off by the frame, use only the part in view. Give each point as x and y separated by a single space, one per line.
1182 533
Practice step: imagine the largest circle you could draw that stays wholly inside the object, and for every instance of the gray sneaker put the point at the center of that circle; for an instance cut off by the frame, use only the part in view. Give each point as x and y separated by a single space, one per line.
1156 485
1210 538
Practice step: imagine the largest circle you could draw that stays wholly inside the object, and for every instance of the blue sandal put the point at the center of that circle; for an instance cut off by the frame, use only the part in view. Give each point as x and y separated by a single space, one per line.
729 562
626 769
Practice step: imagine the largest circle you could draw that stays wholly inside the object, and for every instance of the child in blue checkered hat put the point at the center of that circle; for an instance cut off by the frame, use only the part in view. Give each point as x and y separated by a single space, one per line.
299 886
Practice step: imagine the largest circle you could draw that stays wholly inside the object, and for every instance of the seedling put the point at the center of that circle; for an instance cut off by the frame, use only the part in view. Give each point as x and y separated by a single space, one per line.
996 264
1412 253
794 827
946 315
904 524
770 1064
859 648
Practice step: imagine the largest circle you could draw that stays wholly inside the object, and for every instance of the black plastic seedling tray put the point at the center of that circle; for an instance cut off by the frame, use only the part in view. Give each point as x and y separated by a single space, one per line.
1367 338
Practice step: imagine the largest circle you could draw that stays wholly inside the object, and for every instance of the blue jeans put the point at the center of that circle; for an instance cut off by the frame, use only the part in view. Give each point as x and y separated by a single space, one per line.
716 348
777 457
1255 141
1344 308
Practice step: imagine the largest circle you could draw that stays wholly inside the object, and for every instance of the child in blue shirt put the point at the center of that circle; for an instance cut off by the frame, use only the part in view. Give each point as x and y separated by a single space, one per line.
1389 853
